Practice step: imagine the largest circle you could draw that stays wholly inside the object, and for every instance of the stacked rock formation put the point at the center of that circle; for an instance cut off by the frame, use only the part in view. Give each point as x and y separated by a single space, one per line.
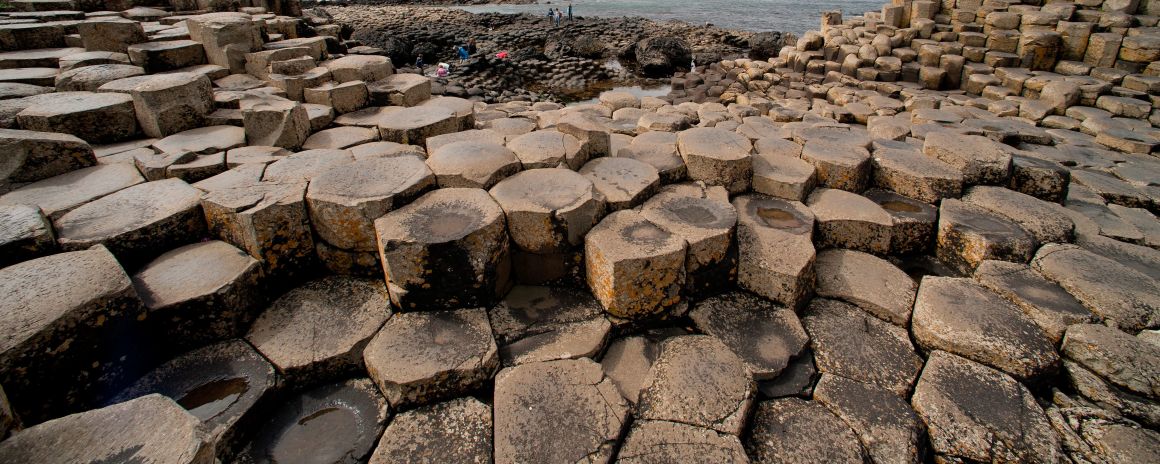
224 237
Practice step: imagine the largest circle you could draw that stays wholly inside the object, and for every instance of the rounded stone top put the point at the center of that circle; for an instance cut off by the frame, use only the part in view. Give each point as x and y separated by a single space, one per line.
128 210
386 150
441 216
628 235
170 80
414 117
901 206
50 104
622 182
543 190
304 165
774 213
840 205
511 126
714 143
201 140
678 209
473 135
472 164
461 106
190 272
90 58
371 178
546 149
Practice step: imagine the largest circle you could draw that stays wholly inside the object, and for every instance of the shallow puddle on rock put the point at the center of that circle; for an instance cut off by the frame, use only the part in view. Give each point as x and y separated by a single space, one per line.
448 225
207 401
778 218
325 436
645 233
695 214
900 206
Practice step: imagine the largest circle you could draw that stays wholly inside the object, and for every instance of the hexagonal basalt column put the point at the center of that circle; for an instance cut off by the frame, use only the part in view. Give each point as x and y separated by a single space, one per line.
622 182
472 164
705 219
548 149
717 157
413 125
635 268
969 234
268 220
914 221
775 253
849 220
548 210
447 249
94 117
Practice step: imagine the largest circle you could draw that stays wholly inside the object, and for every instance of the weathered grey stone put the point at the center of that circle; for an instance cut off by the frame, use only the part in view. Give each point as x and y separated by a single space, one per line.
622 183
531 396
414 125
472 164
1046 222
25 233
981 160
1048 305
136 223
1108 396
697 380
765 336
458 430
344 97
775 253
110 35
345 200
705 219
634 267
543 324
888 428
914 221
663 442
166 55
548 210
792 430
94 117
1124 360
870 282
590 132
915 175
340 138
878 352
268 220
658 149
782 176
969 234
283 124
974 412
90 78
58 195
962 317
203 140
317 332
421 357
31 156
840 165
447 249
227 38
1107 288
401 90
548 149
848 220
149 429
717 157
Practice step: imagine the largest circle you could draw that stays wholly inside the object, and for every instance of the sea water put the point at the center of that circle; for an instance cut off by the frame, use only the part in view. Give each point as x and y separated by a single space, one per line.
795 16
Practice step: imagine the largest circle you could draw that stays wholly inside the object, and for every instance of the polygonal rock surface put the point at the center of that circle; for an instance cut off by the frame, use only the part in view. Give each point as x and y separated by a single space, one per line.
849 342
138 222
548 210
783 176
1049 305
791 430
548 149
421 357
458 430
219 384
622 182
200 293
340 138
90 78
414 125
705 219
58 195
660 442
332 423
403 89
1124 360
717 157
635 268
868 281
44 154
345 200
532 397
318 331
697 380
472 164
962 317
915 175
775 253
282 124
969 234
203 140
914 221
1106 287
840 165
69 305
588 131
548 323
981 160
24 234
306 165
889 429
762 334
448 249
848 220
94 117
266 219
1047 222
149 429
974 412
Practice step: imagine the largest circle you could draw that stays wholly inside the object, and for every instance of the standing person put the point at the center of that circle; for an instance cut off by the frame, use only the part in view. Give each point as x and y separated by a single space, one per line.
559 16
419 63
569 11
551 16
462 51
471 47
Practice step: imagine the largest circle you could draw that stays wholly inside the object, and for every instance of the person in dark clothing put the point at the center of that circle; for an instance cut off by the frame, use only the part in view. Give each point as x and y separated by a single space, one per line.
419 62
569 12
551 16
471 48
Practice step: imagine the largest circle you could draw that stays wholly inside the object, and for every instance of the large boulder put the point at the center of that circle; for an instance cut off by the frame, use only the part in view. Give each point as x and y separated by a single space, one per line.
660 56
766 45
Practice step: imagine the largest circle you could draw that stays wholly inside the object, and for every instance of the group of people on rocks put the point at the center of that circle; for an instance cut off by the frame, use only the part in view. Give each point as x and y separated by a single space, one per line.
555 15
462 51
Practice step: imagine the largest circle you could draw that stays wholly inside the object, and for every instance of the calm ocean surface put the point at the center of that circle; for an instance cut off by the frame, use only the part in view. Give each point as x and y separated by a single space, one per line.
795 16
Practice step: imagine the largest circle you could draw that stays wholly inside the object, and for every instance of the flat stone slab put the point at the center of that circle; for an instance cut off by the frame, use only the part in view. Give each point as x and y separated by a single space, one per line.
962 317
448 249
219 384
698 380
974 412
266 219
421 357
634 267
458 430
659 442
532 396
472 135
58 195
318 331
45 154
849 220
136 223
346 199
981 160
914 221
94 117
915 175
705 219
11 90
415 124
1106 287
868 281
472 164
200 293
1047 222
969 234
203 140
90 78
775 253
717 157
149 429
792 430
853 344
622 182
45 77
548 210
24 234
839 164
888 428
305 165
1125 361
1048 304
340 138
332 423
763 334
548 149
782 176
